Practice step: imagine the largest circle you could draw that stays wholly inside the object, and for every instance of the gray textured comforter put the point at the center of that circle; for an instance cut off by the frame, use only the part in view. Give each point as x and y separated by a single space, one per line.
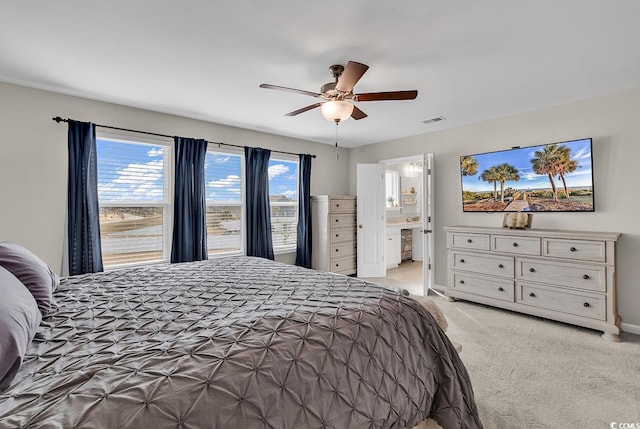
236 343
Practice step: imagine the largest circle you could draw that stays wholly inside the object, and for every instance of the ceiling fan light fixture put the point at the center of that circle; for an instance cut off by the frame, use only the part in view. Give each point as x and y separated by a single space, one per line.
336 110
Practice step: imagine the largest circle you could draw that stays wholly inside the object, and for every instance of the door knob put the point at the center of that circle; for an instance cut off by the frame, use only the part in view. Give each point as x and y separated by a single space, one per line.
360 226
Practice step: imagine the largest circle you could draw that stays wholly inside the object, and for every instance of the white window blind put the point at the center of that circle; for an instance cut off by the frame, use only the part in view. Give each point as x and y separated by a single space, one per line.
134 201
224 196
283 196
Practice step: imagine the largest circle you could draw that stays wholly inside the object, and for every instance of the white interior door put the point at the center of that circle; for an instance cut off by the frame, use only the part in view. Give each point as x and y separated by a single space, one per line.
427 222
370 196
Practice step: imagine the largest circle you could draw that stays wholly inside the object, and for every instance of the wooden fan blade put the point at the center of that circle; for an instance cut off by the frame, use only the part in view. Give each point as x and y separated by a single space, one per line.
304 109
352 73
284 88
358 114
391 95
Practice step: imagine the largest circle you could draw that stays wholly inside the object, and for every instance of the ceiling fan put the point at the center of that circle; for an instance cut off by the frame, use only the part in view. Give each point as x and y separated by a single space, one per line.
338 96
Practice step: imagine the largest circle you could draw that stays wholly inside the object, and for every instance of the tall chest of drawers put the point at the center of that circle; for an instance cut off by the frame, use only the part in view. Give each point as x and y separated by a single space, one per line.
333 236
567 276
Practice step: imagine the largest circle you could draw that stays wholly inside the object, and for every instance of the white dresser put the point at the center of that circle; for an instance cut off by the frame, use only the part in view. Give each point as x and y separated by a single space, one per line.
567 276
333 236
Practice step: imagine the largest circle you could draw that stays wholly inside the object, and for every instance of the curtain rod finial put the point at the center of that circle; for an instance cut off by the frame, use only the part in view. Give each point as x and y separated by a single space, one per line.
58 119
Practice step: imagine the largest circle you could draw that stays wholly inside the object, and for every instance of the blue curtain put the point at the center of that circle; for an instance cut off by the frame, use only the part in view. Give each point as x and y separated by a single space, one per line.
303 244
83 226
189 214
258 219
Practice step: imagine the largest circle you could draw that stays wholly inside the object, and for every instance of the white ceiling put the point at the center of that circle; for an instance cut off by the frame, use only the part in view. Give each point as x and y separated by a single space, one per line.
469 60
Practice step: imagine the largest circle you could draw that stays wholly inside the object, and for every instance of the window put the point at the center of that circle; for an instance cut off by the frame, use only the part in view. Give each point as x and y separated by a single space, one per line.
283 196
134 200
134 196
391 183
224 184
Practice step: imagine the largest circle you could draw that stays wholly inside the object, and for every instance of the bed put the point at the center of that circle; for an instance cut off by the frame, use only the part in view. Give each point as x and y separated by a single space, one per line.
236 342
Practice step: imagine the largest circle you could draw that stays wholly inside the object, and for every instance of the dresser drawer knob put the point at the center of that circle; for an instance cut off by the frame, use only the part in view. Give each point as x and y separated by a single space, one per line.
461 282
337 220
586 277
462 261
469 241
532 295
573 249
532 270
337 205
586 304
515 244
500 266
501 289
337 235
337 265
337 250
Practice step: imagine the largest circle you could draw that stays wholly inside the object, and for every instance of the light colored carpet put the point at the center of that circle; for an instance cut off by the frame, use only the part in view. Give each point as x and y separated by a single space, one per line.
529 372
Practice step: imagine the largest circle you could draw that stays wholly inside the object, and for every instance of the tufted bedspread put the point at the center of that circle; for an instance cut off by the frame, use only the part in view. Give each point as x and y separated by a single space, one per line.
236 343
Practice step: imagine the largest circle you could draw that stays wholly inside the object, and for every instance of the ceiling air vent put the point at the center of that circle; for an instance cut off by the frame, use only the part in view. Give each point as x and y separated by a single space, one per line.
431 120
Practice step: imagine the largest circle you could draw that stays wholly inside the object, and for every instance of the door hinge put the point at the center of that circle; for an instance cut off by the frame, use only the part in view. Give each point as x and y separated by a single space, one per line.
428 218
429 267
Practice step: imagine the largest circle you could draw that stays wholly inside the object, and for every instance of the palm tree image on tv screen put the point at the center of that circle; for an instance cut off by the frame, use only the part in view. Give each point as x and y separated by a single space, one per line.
553 177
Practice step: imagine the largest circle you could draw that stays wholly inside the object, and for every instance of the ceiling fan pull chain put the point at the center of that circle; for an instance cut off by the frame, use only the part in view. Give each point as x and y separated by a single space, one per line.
337 152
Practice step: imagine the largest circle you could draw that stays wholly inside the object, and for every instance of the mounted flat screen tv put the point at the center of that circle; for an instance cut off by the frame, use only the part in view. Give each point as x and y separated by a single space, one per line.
555 177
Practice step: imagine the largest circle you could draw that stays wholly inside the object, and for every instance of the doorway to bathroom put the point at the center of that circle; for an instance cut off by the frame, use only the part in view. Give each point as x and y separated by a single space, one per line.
408 224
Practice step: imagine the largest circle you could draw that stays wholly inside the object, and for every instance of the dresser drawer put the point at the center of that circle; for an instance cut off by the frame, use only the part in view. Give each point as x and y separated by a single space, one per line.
502 266
489 287
342 250
343 265
583 304
342 220
516 245
583 250
342 206
339 235
577 276
469 241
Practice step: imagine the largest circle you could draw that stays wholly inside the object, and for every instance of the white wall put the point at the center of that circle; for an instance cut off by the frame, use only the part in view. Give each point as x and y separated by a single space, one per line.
33 159
614 124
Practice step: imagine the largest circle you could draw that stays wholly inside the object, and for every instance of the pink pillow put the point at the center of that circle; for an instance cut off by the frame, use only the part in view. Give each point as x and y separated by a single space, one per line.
32 271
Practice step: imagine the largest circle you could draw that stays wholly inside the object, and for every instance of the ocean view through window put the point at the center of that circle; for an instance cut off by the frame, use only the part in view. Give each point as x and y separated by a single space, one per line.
133 197
224 183
283 198
135 201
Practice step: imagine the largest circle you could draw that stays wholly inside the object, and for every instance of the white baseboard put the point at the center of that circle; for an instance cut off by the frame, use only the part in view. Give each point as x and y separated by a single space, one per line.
632 329
439 288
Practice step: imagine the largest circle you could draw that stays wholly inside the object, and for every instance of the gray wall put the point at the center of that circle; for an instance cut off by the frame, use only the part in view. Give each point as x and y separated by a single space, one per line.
33 159
614 124
33 167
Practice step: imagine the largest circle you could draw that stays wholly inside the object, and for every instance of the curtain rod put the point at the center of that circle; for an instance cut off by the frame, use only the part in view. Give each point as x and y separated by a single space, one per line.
58 119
